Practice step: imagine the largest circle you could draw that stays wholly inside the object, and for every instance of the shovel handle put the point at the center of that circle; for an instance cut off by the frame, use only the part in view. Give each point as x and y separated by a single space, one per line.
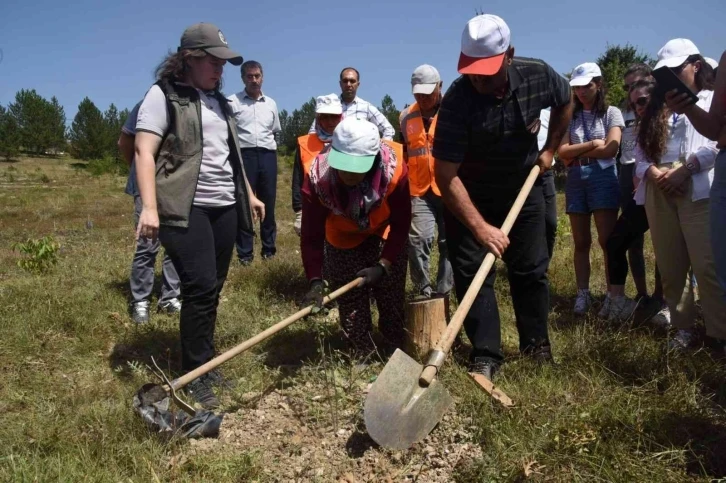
222 358
447 339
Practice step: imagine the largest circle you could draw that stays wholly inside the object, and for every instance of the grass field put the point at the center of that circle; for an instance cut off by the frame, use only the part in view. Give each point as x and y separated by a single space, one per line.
616 407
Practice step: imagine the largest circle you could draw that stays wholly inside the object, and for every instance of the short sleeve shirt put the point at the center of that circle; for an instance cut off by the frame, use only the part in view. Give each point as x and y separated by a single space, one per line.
129 128
489 136
215 185
586 126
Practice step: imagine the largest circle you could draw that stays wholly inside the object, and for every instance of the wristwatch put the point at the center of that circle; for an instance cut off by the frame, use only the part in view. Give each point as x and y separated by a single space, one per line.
692 167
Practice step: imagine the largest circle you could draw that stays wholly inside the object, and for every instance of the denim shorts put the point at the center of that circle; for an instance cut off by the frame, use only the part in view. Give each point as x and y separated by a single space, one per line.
589 188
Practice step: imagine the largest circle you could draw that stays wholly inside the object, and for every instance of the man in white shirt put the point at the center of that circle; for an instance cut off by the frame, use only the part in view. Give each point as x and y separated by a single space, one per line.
354 106
257 123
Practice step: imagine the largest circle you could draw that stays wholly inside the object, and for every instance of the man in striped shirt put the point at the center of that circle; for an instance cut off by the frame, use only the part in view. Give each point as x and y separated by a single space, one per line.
484 146
354 106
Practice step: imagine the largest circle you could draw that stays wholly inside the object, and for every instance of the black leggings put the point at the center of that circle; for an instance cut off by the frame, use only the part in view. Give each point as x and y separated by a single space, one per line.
201 254
629 230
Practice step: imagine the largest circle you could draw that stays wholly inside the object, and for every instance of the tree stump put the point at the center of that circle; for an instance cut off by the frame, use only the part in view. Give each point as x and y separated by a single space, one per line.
425 322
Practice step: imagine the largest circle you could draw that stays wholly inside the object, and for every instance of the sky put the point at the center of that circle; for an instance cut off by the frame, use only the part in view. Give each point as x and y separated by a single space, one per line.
107 51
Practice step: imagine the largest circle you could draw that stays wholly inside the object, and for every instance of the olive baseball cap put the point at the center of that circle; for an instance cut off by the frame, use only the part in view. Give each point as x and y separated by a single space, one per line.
207 37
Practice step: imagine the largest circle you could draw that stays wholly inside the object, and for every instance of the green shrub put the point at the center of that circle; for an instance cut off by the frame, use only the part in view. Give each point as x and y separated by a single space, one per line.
39 256
107 165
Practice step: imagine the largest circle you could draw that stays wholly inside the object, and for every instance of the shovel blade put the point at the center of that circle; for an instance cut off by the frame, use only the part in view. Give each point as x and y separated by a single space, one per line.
398 412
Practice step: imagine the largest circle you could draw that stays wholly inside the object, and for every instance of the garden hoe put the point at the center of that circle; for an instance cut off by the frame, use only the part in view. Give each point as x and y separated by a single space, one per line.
152 400
407 400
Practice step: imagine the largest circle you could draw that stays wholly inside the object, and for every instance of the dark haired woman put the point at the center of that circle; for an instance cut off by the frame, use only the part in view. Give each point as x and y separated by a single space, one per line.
193 186
676 165
588 150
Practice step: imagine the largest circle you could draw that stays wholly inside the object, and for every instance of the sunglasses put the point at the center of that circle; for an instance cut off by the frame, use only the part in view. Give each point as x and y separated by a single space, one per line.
679 69
642 101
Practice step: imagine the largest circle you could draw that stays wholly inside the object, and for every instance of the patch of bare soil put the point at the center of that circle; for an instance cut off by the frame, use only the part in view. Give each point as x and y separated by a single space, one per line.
295 435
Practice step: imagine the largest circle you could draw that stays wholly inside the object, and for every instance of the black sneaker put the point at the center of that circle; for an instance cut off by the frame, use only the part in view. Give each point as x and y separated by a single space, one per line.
199 389
245 262
485 366
268 256
541 354
215 378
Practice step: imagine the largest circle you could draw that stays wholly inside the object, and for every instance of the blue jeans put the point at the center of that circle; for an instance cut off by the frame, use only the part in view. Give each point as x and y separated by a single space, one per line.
590 188
427 213
718 218
261 170
142 268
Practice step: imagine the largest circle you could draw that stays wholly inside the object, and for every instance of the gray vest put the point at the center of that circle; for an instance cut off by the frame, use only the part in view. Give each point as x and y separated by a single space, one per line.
180 158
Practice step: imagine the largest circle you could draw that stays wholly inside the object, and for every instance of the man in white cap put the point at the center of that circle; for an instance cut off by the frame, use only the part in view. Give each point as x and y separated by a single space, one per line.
418 124
354 106
485 144
328 113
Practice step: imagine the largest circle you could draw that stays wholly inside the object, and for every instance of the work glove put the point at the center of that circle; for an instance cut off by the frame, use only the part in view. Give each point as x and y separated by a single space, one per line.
372 275
297 224
316 294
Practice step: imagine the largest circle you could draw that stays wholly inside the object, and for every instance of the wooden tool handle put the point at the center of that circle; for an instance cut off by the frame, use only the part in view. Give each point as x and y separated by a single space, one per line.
222 358
447 339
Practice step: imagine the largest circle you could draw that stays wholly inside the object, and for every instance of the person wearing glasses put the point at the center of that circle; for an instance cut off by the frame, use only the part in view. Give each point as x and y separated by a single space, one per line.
675 163
588 150
627 236
354 106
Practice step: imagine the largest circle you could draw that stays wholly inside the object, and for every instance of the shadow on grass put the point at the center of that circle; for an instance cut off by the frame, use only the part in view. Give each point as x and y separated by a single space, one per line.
79 165
704 442
137 348
302 346
284 280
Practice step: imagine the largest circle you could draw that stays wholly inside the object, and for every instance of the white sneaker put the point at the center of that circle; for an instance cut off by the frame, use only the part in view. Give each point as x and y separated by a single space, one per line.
662 318
582 302
621 308
605 309
683 339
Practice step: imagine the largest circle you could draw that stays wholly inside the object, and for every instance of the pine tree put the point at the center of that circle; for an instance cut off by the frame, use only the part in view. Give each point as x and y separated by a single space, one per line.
613 63
388 109
9 135
87 134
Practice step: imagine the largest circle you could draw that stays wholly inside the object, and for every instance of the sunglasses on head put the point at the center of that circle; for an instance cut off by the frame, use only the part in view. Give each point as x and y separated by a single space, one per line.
642 101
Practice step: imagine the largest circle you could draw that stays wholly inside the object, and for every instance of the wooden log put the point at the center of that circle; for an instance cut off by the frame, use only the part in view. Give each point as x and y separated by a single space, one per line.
425 322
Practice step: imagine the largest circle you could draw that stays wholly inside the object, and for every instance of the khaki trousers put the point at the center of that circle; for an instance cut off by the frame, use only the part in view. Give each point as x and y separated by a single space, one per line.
680 230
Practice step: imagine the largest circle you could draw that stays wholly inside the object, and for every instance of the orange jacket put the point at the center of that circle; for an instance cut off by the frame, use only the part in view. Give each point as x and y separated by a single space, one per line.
342 232
310 146
418 146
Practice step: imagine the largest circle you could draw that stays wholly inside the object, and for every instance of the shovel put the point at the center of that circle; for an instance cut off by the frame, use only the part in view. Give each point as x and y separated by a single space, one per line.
150 395
407 400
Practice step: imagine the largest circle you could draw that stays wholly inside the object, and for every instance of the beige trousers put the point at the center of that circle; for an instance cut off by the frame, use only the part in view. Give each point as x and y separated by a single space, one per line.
680 231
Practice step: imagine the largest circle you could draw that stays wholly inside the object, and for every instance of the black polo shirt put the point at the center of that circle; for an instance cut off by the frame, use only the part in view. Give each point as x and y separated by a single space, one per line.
489 136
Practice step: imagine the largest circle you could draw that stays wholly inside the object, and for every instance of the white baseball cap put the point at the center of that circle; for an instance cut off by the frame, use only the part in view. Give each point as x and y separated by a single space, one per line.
484 42
329 104
712 62
425 79
584 73
355 144
675 52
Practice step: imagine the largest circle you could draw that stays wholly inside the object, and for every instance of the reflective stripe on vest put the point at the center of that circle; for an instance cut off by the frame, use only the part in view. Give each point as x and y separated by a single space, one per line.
310 146
342 232
418 143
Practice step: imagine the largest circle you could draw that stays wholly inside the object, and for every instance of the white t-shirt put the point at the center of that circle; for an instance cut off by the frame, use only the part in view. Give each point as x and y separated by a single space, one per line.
629 139
585 127
215 186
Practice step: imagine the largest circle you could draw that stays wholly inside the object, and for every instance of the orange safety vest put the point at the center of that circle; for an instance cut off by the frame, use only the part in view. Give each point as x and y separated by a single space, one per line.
310 146
418 145
342 232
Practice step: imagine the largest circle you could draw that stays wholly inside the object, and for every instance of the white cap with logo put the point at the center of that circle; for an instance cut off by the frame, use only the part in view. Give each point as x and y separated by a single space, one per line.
584 73
712 62
425 79
485 40
329 104
355 144
675 52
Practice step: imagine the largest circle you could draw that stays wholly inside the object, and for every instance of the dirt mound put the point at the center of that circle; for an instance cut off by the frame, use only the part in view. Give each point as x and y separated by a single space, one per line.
295 436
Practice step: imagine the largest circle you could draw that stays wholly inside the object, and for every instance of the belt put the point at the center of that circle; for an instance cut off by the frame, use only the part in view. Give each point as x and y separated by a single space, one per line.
583 161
